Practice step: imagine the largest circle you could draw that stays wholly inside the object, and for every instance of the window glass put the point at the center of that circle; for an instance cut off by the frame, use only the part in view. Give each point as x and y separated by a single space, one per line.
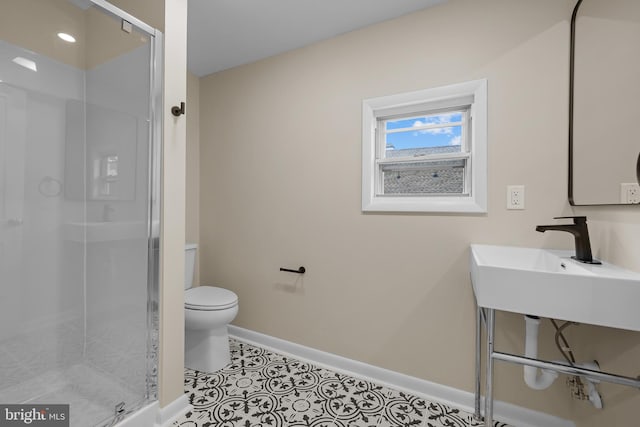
423 135
440 178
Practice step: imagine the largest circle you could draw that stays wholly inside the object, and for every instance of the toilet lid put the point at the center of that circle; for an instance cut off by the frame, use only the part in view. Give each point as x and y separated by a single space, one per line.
209 298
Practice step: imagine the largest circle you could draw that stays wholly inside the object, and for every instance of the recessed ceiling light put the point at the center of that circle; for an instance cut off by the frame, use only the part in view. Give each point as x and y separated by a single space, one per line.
67 37
26 63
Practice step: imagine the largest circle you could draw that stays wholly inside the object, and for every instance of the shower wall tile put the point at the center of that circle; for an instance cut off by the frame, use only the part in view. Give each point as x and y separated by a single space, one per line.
41 350
13 374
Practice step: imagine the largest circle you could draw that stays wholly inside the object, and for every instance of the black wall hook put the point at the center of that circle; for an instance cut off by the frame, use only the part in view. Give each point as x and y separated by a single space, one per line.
300 270
178 111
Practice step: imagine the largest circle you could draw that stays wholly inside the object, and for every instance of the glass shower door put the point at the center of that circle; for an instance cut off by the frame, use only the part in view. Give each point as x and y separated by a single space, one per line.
78 319
118 126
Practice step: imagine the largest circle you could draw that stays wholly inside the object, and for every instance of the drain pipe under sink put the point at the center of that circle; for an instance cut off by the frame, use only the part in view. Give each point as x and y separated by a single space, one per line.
534 380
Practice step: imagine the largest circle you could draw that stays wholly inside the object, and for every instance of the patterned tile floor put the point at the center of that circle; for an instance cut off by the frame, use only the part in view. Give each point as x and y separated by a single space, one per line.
260 388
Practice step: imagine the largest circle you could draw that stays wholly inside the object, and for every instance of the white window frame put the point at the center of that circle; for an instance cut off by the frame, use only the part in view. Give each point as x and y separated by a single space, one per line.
473 94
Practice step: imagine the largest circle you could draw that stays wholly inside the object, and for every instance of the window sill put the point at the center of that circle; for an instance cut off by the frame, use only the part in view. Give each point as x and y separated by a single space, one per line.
453 204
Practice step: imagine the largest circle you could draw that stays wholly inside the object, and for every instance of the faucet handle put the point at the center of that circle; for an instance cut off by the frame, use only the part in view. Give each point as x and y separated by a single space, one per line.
576 219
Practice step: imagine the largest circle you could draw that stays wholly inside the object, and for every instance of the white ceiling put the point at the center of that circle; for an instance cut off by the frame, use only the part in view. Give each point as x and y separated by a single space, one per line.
226 33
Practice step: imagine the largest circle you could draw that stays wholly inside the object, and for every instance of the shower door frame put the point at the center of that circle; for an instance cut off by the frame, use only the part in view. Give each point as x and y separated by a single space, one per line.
154 193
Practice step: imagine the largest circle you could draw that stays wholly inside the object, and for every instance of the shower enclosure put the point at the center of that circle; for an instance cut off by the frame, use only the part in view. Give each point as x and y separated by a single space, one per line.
79 197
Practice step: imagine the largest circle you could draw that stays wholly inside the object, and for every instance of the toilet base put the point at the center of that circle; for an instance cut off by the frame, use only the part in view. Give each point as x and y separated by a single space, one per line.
207 350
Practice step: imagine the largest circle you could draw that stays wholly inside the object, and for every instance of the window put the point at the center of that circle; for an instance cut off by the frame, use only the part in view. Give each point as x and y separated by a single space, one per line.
426 151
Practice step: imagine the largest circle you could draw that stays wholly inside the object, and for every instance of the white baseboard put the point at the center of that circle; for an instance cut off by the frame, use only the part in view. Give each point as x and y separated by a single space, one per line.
464 400
167 414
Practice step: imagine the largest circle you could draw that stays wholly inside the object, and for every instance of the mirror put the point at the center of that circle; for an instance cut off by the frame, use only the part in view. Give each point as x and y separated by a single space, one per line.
604 103
100 157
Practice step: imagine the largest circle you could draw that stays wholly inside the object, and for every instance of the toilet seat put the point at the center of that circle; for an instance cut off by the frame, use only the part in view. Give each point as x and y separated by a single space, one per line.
209 298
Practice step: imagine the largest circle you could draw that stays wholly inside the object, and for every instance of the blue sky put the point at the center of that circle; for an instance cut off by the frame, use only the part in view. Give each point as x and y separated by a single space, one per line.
437 137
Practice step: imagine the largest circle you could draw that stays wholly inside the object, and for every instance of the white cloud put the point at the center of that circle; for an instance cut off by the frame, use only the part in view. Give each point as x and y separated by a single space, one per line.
436 131
442 118
446 118
456 140
436 120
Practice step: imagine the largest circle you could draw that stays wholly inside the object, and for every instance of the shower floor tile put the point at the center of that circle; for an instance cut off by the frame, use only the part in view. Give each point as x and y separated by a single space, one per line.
263 388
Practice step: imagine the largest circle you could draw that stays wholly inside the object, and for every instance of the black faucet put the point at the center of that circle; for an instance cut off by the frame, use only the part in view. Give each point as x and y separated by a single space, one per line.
580 233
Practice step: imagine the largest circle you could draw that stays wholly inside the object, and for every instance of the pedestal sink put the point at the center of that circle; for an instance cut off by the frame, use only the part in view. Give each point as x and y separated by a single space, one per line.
548 283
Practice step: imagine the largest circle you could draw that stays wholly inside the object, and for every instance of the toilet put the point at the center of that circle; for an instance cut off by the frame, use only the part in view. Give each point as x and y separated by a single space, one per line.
207 311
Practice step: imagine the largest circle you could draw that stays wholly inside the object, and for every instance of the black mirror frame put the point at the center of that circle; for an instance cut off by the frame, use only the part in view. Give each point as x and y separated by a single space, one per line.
572 55
572 52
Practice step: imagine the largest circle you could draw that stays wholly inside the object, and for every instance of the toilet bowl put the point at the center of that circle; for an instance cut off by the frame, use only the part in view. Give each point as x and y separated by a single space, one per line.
207 312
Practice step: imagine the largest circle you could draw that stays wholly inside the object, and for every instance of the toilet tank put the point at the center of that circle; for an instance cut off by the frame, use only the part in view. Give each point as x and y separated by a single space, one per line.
189 264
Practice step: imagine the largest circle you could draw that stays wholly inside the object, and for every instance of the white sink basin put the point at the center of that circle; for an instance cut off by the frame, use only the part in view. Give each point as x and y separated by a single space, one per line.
104 231
548 283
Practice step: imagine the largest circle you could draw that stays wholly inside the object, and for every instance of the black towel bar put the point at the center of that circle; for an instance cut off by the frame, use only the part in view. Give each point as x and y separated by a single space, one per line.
300 270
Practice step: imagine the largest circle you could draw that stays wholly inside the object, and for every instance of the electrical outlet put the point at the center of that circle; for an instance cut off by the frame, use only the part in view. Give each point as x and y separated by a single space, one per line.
630 193
515 197
633 194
